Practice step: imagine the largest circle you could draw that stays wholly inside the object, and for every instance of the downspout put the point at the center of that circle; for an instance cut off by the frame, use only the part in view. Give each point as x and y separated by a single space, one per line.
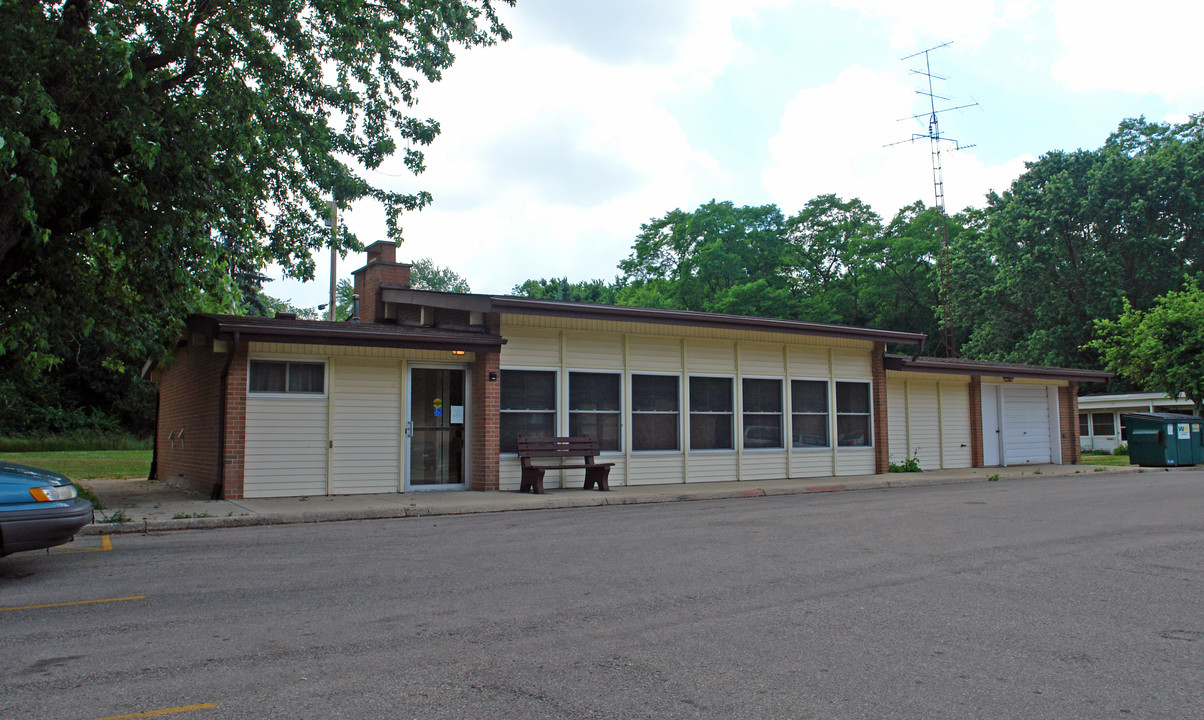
921 350
154 468
221 423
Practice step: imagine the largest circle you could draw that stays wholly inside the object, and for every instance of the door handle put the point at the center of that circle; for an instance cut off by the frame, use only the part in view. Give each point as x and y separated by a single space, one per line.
409 428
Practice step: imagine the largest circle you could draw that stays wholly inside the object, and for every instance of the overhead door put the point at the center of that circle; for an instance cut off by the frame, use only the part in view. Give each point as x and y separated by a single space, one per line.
1026 425
1018 424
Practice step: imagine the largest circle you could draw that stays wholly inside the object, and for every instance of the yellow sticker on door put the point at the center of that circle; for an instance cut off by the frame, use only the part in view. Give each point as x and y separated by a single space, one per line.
438 403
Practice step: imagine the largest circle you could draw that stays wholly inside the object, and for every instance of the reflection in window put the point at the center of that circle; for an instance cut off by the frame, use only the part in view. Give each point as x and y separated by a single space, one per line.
808 413
595 407
528 406
271 376
711 413
853 423
654 412
762 413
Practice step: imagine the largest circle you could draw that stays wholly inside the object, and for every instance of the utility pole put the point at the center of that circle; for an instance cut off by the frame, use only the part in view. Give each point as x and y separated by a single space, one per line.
935 139
332 221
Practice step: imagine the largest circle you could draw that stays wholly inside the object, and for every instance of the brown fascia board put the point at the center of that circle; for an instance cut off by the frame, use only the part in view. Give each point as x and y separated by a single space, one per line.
620 313
992 369
394 293
317 332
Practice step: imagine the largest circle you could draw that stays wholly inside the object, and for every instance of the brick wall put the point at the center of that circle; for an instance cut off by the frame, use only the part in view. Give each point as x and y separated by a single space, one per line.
486 415
1068 423
976 447
881 445
189 412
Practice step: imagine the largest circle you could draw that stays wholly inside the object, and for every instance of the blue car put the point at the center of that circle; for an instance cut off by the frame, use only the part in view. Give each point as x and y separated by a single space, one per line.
38 509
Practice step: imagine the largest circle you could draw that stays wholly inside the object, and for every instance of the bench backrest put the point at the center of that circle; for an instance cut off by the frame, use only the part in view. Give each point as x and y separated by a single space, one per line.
549 447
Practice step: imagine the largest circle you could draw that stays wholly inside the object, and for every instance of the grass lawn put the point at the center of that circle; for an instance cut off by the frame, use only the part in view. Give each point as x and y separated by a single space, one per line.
1120 460
86 464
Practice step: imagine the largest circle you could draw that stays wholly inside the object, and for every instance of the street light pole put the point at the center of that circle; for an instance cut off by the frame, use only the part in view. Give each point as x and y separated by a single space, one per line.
333 221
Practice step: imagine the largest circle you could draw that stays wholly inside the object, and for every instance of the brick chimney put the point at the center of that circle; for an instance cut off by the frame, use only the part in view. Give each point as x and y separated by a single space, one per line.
382 270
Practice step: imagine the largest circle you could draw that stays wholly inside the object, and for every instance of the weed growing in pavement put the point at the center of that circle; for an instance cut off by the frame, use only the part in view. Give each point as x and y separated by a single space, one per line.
1037 471
117 516
303 499
186 516
1099 469
993 478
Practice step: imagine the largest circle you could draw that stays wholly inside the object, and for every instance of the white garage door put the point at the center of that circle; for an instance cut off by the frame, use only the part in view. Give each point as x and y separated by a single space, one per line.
1020 419
928 421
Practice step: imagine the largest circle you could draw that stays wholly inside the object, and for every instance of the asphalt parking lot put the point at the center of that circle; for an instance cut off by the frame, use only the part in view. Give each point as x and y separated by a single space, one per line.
1059 597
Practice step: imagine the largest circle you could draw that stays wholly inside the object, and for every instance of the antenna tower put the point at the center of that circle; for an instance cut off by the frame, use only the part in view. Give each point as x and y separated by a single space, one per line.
935 139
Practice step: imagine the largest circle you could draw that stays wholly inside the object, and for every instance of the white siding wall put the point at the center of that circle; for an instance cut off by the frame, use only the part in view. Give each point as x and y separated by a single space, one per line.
812 463
928 420
285 446
367 427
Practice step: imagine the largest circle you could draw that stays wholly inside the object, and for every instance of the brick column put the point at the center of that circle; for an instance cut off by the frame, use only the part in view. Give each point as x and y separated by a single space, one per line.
235 443
1068 425
976 422
486 415
881 445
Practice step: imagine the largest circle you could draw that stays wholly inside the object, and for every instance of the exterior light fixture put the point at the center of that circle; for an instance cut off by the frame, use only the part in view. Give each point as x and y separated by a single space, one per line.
457 352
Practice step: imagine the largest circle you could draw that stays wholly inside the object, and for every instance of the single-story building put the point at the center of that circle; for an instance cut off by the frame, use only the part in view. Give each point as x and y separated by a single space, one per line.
1101 417
430 391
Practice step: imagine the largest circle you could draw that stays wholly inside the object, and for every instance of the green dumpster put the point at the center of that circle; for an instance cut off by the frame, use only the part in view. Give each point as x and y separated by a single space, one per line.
1164 439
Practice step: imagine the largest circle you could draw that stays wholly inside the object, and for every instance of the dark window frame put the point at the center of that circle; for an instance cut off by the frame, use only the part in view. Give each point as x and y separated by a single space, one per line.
637 415
826 413
503 444
745 413
868 414
289 377
730 412
617 412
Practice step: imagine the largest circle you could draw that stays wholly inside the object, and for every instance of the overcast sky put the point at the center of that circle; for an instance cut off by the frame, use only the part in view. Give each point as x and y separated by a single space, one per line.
599 116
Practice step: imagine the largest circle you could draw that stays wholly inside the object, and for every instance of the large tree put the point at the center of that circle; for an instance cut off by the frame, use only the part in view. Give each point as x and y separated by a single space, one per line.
153 153
1160 349
147 148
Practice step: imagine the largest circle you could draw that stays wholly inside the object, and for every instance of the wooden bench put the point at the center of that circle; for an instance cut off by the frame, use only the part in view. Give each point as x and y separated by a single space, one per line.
586 448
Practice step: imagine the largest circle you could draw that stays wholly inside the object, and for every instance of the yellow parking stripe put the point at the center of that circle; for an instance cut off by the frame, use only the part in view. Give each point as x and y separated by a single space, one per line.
164 711
77 602
106 543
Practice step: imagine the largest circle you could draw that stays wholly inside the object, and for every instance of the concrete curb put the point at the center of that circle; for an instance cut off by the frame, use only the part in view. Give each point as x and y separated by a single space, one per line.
512 502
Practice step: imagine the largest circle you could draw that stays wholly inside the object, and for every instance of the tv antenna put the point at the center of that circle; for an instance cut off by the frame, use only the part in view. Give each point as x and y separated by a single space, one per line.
935 139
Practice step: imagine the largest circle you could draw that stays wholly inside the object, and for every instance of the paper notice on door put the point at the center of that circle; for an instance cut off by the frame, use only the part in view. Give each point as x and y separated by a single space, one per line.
457 414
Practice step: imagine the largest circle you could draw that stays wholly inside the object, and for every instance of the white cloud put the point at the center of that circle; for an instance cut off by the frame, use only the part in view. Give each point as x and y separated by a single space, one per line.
831 141
1151 48
968 22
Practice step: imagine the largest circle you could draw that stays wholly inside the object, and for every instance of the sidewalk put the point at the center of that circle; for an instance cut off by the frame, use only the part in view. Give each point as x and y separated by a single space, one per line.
152 505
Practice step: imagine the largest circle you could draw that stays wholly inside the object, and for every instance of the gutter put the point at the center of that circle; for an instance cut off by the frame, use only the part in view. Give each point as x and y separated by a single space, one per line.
221 422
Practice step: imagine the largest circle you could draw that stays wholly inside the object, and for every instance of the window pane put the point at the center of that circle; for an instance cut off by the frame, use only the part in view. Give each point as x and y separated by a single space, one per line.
710 432
853 430
809 396
604 426
305 377
594 391
528 390
1103 424
710 395
653 393
513 424
267 376
852 397
654 432
762 395
1083 424
762 431
809 431
1124 429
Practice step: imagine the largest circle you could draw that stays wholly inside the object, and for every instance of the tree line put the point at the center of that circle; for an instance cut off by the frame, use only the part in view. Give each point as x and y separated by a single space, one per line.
1079 237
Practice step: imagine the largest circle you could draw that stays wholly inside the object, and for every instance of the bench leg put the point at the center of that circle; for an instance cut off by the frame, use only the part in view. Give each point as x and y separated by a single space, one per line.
532 480
599 475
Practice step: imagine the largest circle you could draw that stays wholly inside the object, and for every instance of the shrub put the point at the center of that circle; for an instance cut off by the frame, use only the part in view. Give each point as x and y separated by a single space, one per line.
911 464
1122 449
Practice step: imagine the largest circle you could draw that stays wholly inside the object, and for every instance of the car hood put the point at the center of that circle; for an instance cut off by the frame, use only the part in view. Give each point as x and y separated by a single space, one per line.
14 474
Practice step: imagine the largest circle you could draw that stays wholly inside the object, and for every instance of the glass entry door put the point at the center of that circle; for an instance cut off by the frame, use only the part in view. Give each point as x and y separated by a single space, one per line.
436 427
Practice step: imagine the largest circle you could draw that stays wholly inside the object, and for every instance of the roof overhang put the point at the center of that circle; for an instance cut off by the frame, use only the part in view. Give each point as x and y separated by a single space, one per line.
318 332
956 366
